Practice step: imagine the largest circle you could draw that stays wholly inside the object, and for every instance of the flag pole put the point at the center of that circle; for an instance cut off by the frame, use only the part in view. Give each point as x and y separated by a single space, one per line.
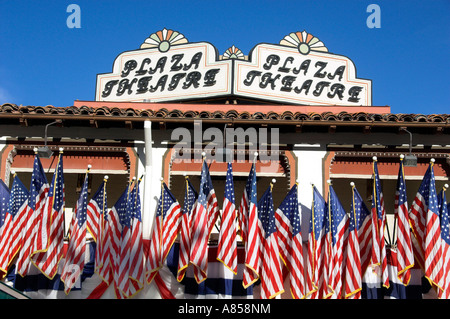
102 219
376 200
130 182
105 179
61 151
329 213
161 222
329 207
137 183
352 184
396 215
330 234
313 284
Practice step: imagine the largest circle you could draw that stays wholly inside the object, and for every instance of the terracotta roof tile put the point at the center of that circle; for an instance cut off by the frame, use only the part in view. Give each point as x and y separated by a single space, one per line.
106 113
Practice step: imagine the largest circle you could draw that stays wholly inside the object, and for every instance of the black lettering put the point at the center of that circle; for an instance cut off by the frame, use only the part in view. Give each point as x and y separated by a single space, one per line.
321 66
267 79
251 76
287 83
128 67
159 65
319 87
284 68
195 61
175 80
304 66
305 86
338 89
142 85
192 79
339 71
177 66
161 83
354 92
141 70
125 85
272 59
108 87
210 77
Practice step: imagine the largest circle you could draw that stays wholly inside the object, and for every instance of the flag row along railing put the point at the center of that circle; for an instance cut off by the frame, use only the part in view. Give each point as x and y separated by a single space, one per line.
341 246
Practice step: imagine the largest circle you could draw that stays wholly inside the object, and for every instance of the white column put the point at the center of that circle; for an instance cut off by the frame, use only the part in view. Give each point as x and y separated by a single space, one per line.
309 171
147 210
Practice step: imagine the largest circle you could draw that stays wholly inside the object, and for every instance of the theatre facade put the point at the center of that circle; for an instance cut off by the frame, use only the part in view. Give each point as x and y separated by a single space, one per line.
300 112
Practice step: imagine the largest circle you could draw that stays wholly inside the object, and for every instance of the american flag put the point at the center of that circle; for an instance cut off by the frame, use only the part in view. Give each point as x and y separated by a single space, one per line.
270 265
6 222
190 198
227 247
287 218
95 212
4 200
445 237
426 227
47 260
124 247
130 275
164 232
203 220
107 249
10 232
26 219
316 246
136 262
97 209
339 232
74 261
248 224
358 246
405 256
113 238
379 257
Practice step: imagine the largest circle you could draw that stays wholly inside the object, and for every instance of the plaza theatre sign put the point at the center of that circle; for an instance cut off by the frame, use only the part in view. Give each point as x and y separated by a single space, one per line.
298 70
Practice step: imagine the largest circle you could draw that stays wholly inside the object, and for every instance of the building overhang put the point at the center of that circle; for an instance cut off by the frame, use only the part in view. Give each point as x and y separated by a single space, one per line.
327 119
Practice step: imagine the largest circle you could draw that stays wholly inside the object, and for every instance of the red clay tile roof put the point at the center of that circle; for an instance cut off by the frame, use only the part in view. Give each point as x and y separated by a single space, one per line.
105 113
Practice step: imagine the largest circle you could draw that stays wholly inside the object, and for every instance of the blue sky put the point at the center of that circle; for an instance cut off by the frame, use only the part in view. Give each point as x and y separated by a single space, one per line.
43 62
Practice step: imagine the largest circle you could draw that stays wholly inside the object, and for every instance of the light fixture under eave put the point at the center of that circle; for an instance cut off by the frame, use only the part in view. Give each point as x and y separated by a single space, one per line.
409 160
44 151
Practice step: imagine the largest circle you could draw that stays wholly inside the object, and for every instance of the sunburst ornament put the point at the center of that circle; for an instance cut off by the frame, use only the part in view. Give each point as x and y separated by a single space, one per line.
304 42
233 53
163 40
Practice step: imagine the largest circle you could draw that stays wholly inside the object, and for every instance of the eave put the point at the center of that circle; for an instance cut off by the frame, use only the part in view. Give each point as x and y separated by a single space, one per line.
111 115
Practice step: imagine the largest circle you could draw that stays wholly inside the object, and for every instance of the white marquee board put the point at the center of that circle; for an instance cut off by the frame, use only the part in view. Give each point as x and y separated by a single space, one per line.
184 72
283 74
299 70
